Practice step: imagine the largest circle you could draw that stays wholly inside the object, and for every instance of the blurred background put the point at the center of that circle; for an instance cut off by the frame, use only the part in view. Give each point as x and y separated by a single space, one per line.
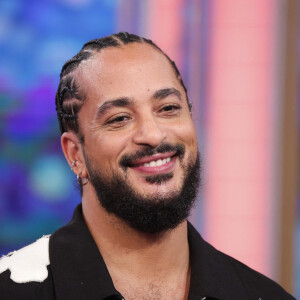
239 61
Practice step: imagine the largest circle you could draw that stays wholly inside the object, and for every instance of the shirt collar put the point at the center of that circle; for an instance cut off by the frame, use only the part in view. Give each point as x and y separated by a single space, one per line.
212 274
79 271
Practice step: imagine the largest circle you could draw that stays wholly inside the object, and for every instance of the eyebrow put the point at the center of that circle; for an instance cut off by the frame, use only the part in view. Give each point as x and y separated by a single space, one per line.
120 102
164 93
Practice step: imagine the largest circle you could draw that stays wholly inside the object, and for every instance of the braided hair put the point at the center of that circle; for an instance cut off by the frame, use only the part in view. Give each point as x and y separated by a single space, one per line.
70 98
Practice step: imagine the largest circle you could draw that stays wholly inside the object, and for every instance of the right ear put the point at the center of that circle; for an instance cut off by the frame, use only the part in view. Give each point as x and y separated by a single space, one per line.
72 149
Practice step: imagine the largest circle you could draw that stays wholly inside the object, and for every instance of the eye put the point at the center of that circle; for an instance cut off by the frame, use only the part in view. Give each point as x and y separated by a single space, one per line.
119 120
170 108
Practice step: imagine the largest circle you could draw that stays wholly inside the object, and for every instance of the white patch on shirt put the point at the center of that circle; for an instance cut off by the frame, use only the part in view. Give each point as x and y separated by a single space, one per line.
29 263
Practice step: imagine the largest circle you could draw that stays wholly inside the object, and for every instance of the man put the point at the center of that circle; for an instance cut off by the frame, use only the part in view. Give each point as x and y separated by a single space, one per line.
128 135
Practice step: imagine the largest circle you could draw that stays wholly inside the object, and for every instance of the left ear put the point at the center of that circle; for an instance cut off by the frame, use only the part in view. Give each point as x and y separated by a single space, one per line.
72 149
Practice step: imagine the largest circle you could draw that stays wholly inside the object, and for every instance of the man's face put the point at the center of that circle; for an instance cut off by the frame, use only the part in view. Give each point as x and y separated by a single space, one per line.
136 121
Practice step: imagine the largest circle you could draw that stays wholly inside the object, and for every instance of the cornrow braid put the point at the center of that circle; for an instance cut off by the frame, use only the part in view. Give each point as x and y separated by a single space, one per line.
70 97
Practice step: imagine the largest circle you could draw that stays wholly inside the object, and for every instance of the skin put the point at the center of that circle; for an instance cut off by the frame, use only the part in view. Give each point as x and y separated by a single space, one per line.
141 265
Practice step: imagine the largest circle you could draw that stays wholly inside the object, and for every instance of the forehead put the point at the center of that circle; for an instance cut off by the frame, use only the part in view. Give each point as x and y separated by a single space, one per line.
126 71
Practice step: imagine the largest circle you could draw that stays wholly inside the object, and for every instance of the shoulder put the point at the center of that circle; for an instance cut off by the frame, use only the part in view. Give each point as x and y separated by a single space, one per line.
25 273
255 283
29 263
223 276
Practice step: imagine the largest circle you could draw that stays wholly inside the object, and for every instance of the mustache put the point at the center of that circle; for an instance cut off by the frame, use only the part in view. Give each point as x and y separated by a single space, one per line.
128 159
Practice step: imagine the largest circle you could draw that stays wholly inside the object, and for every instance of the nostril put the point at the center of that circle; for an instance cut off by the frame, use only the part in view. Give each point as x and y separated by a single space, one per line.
149 140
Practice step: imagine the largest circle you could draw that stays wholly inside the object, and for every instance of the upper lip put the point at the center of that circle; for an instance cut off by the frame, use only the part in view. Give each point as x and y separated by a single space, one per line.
154 157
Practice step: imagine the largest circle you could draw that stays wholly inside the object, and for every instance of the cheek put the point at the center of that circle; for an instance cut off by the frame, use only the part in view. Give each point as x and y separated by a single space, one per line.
109 148
185 131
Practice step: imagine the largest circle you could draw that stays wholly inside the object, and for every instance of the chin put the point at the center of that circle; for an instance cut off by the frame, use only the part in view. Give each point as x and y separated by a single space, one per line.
158 189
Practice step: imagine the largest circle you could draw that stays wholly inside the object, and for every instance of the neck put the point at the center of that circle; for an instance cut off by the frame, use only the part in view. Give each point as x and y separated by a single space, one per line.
123 248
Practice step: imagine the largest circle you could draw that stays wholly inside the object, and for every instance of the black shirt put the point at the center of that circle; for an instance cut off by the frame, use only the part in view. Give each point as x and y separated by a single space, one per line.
77 271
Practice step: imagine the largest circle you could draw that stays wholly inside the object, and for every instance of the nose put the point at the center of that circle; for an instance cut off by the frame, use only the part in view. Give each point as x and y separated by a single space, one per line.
149 132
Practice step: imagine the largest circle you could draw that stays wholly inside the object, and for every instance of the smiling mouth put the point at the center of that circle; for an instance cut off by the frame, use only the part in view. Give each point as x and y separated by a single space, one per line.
154 163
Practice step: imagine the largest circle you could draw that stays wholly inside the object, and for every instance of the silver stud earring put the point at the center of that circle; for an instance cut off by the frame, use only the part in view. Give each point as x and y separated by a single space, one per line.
73 165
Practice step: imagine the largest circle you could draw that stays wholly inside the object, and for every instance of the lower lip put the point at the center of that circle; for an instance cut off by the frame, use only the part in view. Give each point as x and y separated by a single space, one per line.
159 169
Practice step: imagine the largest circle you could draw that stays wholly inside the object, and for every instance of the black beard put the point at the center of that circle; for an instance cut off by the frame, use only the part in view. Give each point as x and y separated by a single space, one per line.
148 214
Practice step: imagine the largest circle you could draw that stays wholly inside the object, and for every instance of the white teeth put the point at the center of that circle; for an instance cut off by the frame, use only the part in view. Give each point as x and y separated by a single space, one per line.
157 163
